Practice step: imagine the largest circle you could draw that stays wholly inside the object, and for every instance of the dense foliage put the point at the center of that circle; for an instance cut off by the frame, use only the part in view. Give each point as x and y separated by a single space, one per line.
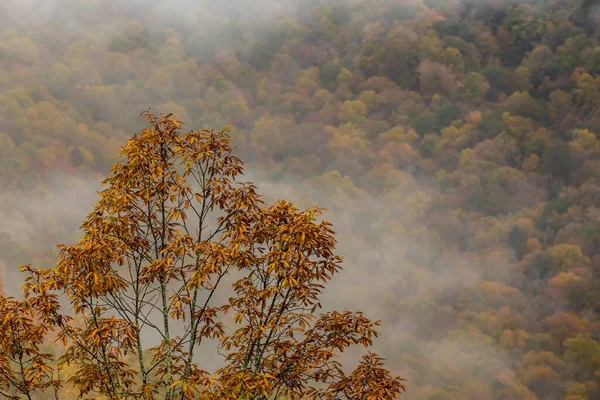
171 227
460 136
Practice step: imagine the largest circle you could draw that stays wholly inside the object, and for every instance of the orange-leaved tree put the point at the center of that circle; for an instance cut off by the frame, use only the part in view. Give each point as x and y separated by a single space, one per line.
24 367
147 284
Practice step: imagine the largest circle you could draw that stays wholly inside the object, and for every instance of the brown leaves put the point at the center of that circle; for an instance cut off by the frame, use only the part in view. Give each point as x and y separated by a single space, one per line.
289 255
24 367
369 381
171 222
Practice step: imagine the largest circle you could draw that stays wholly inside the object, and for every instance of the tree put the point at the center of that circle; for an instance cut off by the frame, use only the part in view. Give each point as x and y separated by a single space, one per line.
436 78
24 367
171 226
474 88
517 239
584 353
560 163
573 287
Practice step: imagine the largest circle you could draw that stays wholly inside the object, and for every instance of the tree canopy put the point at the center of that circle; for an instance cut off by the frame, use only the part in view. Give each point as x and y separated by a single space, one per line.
171 226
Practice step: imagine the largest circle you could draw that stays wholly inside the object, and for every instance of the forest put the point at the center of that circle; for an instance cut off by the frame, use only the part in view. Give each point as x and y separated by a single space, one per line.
454 143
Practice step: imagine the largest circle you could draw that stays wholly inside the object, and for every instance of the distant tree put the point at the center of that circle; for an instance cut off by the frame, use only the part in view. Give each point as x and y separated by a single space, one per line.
171 225
395 56
560 163
538 266
572 287
76 156
436 78
584 353
560 105
504 81
564 325
474 88
518 241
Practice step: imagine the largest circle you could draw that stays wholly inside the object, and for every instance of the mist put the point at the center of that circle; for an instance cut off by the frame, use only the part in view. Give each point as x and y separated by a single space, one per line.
454 145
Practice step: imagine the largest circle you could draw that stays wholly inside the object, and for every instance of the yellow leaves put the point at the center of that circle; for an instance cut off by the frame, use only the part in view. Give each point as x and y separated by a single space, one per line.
175 214
148 392
174 384
584 139
238 318
568 256
140 256
21 334
517 126
289 282
401 135
418 203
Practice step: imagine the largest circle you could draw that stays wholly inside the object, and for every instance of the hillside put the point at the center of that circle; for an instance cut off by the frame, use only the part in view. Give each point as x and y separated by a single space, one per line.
455 144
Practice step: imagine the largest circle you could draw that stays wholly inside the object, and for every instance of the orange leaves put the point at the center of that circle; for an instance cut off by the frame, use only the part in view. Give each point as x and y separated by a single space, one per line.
369 381
170 224
24 367
149 235
275 301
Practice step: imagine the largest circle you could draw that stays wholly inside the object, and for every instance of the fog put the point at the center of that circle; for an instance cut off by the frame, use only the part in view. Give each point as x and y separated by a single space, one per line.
375 272
395 268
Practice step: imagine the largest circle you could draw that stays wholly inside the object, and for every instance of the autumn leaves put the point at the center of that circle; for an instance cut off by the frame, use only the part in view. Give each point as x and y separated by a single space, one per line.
171 223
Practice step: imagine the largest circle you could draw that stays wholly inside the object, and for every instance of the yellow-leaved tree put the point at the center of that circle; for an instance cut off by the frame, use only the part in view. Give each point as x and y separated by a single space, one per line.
171 225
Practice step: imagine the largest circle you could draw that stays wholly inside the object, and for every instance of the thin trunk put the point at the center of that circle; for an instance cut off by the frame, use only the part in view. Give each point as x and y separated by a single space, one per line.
163 282
168 348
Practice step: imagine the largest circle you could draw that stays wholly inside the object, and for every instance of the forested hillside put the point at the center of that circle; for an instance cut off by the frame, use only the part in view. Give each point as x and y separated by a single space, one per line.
455 143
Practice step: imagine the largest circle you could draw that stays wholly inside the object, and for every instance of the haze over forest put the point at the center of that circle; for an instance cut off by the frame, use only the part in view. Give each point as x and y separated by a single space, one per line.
455 145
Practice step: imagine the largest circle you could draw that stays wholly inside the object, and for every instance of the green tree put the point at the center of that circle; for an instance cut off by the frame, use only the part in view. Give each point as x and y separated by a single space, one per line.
518 241
475 87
